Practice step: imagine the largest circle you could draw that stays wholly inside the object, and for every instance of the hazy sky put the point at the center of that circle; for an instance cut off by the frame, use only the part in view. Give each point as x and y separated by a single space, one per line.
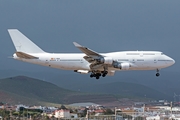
102 25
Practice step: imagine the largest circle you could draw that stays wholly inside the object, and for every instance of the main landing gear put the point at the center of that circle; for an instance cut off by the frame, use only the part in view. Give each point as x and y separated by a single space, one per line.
157 74
98 75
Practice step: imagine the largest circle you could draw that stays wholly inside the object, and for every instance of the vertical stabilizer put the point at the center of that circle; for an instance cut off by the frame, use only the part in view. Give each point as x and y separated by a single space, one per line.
22 43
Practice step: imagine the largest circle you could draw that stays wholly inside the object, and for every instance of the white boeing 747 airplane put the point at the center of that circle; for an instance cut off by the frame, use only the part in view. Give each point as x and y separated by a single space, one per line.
98 64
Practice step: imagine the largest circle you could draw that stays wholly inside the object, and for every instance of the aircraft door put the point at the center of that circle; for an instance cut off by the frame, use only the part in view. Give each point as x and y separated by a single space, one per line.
155 60
133 60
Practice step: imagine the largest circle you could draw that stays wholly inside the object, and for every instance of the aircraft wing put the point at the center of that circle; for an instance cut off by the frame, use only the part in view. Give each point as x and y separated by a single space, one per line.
91 57
87 51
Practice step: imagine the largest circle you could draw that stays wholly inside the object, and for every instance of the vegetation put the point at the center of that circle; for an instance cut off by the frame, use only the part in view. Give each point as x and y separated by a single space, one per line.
139 118
23 113
108 112
5 114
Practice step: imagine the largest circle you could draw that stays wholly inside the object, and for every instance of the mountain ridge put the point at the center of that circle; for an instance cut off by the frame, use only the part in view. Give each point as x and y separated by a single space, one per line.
37 91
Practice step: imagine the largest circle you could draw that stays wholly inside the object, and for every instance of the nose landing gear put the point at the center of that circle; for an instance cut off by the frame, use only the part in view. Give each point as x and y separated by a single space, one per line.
157 74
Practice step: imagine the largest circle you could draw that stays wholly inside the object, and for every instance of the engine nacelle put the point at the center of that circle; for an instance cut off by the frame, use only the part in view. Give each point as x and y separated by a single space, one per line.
82 71
106 60
122 66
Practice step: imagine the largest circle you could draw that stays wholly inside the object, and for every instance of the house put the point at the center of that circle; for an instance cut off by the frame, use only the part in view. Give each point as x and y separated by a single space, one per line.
62 114
99 112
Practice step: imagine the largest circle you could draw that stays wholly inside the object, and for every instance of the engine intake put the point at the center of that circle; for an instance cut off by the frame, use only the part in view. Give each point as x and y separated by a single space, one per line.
106 60
122 66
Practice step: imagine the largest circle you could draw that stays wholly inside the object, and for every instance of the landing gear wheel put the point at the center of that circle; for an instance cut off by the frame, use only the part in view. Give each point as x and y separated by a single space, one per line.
95 74
157 74
91 75
104 73
97 77
99 74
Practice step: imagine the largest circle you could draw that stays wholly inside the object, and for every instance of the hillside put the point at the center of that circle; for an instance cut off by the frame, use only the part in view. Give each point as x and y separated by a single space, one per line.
167 83
32 91
129 90
27 90
33 88
7 97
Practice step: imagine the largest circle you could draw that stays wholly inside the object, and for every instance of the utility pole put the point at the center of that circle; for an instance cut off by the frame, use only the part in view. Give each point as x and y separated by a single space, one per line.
23 113
27 114
87 115
115 113
10 114
144 111
171 110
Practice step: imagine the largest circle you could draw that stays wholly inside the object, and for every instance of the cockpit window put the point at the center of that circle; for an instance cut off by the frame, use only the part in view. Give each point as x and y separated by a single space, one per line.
162 54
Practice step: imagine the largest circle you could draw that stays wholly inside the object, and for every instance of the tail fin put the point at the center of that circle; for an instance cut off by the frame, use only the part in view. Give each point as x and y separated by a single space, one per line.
22 43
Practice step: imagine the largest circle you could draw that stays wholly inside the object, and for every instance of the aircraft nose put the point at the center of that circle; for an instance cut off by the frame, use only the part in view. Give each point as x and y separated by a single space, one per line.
172 61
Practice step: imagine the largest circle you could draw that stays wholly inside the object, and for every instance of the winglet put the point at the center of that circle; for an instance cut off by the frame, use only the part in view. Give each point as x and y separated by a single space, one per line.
86 50
76 44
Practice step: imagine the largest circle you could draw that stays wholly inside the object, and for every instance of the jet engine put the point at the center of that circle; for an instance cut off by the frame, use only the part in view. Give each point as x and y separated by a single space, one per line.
122 66
106 60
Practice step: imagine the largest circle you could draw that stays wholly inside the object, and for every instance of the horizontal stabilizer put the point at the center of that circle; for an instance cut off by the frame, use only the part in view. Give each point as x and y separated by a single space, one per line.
25 56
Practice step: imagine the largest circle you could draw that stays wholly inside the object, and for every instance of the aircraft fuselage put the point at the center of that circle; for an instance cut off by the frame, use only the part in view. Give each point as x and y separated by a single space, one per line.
138 60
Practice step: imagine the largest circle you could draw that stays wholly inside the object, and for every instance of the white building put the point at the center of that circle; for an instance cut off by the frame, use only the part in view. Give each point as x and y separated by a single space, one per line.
153 117
62 114
18 107
175 117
